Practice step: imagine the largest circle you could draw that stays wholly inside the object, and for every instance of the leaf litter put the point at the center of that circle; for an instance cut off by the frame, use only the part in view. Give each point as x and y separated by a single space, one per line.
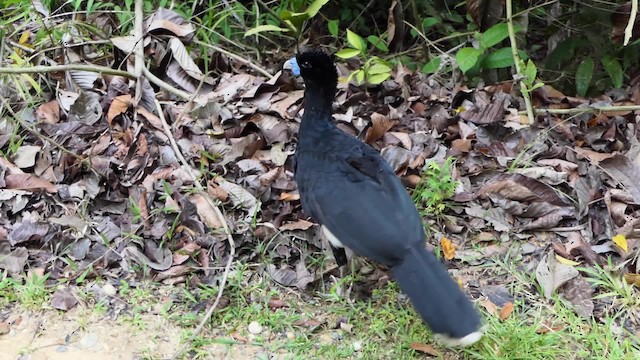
95 179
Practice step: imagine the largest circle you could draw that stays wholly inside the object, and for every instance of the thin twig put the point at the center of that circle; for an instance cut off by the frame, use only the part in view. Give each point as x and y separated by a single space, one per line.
526 94
628 31
236 57
139 49
68 67
221 219
164 86
580 110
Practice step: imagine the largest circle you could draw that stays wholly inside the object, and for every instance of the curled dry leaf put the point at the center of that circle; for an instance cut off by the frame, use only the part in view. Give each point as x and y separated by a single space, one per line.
29 182
425 349
239 196
49 112
551 274
205 210
506 311
12 260
380 124
63 299
579 292
118 106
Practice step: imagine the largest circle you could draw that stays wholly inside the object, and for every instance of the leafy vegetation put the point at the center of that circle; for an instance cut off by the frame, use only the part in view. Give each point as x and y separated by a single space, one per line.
435 187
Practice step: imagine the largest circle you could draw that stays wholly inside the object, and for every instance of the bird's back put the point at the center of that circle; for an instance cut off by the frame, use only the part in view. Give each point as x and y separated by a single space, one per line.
348 187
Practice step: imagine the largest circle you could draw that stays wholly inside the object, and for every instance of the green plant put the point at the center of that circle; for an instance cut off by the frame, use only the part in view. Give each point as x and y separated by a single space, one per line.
33 294
435 187
7 289
481 56
374 70
294 21
528 82
612 286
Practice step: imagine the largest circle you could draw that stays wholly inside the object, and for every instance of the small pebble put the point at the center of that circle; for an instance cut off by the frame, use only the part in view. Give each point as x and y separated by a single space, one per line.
254 328
291 335
109 289
357 345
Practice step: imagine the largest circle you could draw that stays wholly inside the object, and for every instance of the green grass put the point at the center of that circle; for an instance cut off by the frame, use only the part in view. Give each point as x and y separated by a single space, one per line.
308 325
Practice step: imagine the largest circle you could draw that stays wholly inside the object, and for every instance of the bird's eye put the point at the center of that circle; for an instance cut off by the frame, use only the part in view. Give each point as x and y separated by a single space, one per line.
305 64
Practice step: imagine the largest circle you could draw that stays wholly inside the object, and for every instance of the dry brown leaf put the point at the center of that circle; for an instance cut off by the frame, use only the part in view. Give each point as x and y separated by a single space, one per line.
29 182
49 112
287 196
506 311
425 349
632 279
490 307
205 210
380 124
551 274
297 225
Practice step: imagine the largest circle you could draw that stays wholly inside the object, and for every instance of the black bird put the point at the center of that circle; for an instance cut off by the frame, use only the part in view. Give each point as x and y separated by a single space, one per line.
347 187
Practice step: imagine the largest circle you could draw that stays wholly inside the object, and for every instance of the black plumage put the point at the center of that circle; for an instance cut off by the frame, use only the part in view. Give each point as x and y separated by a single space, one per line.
347 187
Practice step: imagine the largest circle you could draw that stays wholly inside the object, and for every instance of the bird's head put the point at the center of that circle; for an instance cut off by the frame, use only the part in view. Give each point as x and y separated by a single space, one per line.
316 68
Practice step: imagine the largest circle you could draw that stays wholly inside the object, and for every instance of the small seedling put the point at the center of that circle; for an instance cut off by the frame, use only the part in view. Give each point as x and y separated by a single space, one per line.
435 187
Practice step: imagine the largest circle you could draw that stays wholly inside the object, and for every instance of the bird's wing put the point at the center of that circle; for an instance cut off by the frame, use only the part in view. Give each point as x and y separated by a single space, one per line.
366 207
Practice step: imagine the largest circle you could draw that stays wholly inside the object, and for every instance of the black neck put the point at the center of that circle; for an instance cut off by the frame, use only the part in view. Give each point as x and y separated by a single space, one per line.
318 102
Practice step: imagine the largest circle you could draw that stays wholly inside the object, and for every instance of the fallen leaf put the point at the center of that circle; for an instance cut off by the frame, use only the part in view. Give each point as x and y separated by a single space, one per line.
380 124
297 225
425 349
490 307
551 274
63 299
506 311
632 279
564 261
621 241
205 211
26 156
579 293
448 248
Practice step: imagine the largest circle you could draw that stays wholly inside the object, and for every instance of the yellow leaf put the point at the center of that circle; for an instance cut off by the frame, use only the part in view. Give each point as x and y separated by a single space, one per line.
448 248
564 261
24 38
621 241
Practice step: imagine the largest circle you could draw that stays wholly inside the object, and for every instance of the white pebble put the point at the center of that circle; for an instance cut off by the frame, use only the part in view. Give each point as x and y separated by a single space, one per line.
357 345
254 328
109 289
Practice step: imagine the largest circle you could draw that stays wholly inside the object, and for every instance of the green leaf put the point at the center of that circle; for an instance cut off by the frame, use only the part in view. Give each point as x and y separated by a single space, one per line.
613 68
500 58
298 18
530 72
356 41
430 21
378 68
262 28
432 66
584 75
376 79
467 58
315 6
378 43
347 53
333 27
359 75
494 35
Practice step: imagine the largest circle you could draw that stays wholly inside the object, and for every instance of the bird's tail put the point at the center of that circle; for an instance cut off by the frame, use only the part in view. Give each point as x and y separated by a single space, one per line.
437 298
